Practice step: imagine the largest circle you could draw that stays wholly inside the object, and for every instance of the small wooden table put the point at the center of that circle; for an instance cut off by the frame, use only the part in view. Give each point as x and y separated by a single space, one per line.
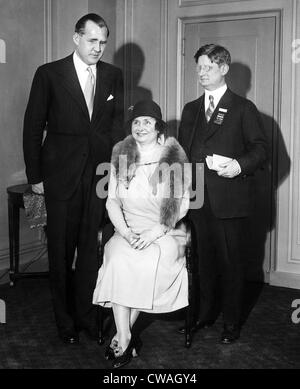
15 203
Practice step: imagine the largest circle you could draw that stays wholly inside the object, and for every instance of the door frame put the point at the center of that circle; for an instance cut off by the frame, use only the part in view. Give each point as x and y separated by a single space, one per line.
183 21
277 15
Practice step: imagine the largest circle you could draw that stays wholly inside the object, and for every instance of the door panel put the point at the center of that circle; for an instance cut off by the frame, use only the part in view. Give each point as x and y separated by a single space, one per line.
251 43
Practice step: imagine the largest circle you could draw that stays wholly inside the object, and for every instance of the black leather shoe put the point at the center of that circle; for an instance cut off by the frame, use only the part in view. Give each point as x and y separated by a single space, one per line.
69 336
199 325
109 351
230 334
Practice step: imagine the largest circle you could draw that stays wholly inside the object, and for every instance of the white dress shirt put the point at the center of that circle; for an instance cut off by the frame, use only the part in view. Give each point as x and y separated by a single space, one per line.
232 168
217 95
81 70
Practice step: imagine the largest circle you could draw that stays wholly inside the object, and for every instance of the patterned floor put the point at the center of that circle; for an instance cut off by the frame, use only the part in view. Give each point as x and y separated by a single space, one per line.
269 339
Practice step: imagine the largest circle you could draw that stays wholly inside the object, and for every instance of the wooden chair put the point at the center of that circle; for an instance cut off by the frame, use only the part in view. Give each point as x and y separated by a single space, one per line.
189 267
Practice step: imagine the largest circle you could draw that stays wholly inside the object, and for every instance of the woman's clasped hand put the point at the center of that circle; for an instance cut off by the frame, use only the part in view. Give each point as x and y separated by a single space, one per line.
145 238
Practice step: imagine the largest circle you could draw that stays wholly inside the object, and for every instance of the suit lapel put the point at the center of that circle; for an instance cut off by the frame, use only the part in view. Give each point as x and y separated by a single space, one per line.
70 81
224 103
102 90
200 107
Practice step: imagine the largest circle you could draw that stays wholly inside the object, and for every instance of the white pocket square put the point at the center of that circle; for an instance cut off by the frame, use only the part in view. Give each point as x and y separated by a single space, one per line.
110 97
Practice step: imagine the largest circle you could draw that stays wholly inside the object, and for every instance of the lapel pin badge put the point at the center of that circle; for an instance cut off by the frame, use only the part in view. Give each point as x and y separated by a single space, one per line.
219 119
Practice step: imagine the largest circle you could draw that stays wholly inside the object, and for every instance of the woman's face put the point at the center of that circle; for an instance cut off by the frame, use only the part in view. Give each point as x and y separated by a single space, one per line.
143 130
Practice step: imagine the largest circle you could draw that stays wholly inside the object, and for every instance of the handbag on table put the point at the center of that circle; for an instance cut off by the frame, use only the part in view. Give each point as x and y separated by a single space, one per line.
35 209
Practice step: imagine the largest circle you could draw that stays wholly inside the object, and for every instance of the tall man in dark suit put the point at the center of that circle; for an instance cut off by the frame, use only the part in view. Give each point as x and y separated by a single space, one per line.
78 100
227 125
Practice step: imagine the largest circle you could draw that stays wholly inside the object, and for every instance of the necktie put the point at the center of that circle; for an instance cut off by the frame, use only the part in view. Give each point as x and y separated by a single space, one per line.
89 91
210 109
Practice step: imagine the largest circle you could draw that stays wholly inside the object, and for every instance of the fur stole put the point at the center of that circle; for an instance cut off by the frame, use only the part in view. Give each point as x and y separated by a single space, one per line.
173 170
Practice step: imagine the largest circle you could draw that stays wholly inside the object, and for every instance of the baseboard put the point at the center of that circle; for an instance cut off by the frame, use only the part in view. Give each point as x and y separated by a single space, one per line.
285 279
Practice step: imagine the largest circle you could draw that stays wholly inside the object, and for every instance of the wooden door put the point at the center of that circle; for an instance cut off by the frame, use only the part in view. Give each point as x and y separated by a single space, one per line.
251 43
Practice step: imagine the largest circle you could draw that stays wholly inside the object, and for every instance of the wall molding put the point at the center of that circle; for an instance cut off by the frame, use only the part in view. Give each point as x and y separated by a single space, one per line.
293 177
287 249
47 31
193 3
128 38
163 92
295 144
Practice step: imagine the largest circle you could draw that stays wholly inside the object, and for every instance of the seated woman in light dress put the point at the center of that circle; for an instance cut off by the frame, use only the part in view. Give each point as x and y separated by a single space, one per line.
144 262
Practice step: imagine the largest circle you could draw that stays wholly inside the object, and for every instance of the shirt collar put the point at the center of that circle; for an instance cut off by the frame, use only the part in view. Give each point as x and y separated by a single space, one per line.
82 66
217 93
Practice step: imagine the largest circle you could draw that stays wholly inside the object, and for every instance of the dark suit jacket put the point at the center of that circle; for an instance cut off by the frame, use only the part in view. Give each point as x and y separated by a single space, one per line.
239 136
57 104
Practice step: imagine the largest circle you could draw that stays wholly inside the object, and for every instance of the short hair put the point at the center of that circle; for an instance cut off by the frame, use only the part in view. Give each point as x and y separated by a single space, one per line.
218 54
80 25
161 127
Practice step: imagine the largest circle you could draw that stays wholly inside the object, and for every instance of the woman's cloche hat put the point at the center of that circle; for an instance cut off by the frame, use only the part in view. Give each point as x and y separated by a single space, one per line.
147 108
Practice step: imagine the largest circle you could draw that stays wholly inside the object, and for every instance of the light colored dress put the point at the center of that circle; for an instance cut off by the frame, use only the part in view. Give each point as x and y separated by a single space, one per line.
153 279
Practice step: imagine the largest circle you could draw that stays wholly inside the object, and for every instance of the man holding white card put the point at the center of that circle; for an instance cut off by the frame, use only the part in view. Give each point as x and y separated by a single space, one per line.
224 132
78 102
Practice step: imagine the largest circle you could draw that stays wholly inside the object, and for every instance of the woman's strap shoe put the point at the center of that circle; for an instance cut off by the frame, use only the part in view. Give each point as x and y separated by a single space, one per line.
122 358
109 351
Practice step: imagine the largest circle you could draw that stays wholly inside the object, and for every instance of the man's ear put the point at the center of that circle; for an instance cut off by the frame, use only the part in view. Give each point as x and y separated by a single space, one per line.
224 69
76 38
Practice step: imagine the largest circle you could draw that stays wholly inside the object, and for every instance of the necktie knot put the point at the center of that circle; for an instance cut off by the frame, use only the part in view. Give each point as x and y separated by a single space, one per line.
210 109
91 74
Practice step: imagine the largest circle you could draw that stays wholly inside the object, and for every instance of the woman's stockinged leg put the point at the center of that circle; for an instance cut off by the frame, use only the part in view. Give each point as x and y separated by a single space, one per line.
133 316
122 316
122 328
123 353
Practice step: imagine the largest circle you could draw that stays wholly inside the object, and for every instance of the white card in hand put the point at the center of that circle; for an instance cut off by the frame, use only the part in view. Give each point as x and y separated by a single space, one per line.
213 162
